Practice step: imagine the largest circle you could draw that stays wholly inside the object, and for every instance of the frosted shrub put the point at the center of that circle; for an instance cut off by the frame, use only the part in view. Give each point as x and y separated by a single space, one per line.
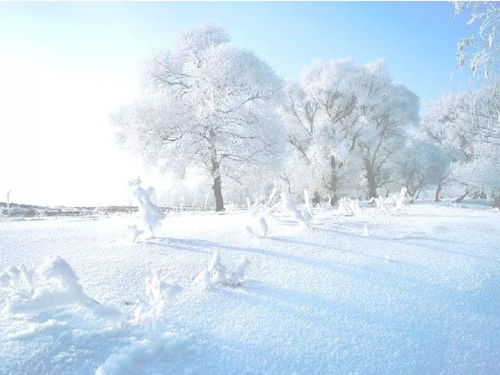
391 204
289 206
135 232
238 276
385 205
256 224
159 294
150 215
50 285
216 274
349 207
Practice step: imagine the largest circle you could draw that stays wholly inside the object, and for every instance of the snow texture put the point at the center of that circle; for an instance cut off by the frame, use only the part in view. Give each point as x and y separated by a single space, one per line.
419 294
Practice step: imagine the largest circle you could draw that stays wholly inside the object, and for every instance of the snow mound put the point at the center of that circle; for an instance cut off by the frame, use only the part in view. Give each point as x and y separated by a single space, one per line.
50 285
129 360
67 330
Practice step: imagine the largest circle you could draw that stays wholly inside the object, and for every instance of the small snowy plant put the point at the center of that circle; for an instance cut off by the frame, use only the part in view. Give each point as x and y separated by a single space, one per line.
256 225
401 199
367 230
52 284
393 203
159 294
307 213
289 206
349 207
150 215
135 232
216 274
258 212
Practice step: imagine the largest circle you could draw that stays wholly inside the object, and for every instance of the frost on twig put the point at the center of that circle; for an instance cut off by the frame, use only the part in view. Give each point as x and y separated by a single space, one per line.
216 274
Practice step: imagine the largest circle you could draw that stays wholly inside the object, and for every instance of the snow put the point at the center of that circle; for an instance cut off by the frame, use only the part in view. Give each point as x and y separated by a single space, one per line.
414 292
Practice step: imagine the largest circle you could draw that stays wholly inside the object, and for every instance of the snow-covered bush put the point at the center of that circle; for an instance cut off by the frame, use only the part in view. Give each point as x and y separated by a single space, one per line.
150 215
159 294
216 274
391 204
367 230
349 207
303 217
258 211
257 226
50 285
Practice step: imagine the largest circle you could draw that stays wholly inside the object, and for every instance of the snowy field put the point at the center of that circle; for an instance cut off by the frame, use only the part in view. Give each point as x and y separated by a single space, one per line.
414 293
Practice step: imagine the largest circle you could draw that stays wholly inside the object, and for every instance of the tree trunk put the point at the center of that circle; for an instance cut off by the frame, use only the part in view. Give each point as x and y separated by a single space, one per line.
372 186
217 186
316 199
438 191
460 199
496 204
219 201
333 200
333 181
417 194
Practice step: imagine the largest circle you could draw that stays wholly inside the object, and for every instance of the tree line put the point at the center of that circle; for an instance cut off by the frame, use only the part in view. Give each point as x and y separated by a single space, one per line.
341 129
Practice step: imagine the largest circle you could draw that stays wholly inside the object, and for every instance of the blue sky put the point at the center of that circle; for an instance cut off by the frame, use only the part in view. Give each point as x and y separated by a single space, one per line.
416 39
65 67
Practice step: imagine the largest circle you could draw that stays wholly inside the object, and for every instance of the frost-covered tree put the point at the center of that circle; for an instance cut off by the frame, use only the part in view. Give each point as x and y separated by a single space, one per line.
421 164
467 125
481 50
386 108
342 119
482 172
437 168
331 86
209 105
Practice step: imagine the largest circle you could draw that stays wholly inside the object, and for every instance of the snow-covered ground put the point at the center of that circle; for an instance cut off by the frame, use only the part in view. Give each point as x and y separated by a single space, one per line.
418 292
